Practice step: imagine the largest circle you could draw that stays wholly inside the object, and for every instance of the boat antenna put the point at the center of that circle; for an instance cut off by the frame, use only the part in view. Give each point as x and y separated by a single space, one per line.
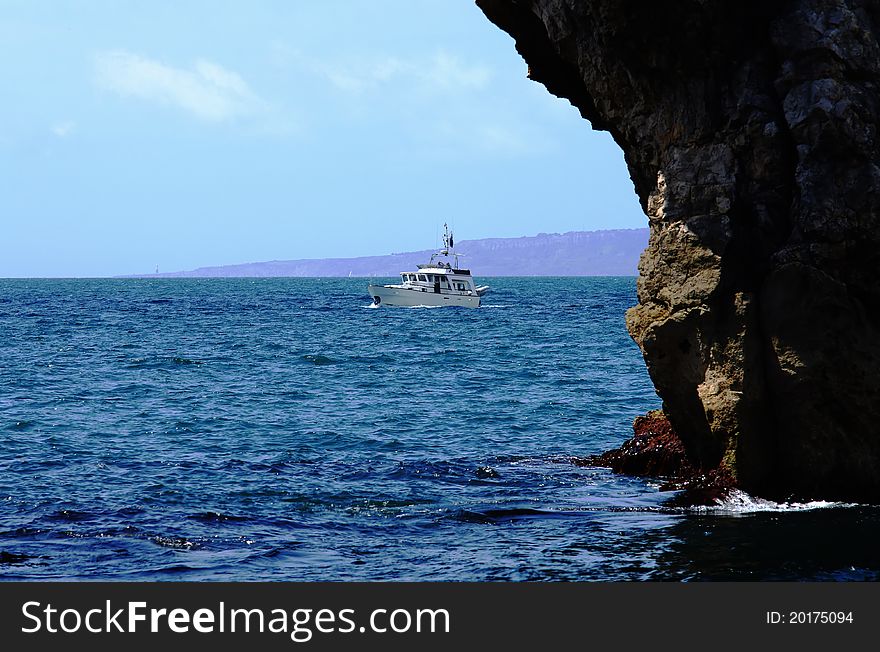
448 242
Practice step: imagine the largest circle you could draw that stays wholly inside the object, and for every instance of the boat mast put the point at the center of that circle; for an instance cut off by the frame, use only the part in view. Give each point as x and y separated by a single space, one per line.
449 244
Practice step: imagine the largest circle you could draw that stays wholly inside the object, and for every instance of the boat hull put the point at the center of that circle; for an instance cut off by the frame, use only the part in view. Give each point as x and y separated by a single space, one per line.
399 296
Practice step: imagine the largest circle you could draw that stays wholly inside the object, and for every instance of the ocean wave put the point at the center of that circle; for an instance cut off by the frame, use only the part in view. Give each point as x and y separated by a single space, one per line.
217 517
177 543
513 514
319 360
9 558
162 362
739 502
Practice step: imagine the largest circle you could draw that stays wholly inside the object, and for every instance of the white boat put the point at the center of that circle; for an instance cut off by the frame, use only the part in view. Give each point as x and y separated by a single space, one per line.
436 283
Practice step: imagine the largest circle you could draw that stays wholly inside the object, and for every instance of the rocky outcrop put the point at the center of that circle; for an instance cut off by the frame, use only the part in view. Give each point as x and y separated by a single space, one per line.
751 135
656 451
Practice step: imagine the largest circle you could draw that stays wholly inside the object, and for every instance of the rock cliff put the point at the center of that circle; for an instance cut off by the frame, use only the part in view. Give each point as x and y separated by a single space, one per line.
751 135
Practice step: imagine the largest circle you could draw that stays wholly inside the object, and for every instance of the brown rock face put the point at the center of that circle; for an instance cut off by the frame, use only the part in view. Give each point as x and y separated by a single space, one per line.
750 130
654 450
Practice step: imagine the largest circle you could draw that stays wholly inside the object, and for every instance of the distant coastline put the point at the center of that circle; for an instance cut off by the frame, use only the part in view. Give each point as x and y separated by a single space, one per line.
575 253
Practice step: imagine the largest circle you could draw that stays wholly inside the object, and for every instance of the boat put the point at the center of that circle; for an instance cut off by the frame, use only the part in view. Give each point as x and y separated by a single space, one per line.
438 282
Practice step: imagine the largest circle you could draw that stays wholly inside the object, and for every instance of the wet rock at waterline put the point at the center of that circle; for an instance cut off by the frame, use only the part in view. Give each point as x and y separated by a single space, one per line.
656 451
750 131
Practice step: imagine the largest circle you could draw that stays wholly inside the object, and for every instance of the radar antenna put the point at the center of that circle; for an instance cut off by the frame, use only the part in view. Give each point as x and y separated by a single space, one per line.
448 242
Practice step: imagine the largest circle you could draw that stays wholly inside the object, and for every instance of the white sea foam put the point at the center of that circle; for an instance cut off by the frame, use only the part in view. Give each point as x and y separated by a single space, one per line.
739 502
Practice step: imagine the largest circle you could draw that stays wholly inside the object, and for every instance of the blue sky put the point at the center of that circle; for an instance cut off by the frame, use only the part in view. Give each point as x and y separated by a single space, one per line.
185 134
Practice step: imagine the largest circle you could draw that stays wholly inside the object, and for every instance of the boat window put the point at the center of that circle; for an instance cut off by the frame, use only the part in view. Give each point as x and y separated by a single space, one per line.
424 278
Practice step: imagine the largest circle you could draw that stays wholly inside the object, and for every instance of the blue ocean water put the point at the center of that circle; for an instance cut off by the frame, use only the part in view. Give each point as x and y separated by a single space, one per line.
281 429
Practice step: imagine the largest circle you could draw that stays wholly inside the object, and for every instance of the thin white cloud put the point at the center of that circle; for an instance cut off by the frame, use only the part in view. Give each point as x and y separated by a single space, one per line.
477 136
442 71
442 103
503 140
448 71
207 90
63 129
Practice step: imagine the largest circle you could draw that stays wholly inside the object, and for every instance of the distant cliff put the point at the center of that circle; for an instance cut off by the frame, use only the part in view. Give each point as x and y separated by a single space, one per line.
577 253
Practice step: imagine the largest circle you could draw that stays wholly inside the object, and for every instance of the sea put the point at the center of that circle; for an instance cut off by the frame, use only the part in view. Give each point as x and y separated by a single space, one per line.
285 429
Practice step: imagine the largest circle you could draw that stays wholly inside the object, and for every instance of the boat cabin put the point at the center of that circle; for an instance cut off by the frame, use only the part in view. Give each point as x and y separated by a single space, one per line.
440 279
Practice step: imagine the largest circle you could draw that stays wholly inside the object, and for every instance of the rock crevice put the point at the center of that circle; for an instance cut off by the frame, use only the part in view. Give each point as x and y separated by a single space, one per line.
750 131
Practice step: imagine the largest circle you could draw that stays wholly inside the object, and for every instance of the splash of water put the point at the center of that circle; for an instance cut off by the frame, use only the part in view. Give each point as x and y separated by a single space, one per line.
739 502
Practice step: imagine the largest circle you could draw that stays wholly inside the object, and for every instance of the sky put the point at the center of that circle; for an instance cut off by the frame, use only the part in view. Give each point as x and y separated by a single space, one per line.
136 135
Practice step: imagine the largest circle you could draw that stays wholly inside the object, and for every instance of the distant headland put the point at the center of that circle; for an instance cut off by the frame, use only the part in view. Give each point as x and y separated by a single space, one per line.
576 253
